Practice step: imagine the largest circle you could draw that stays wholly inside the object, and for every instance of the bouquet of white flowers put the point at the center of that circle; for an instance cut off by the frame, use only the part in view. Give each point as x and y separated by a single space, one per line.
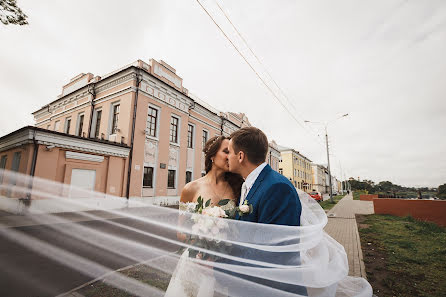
208 229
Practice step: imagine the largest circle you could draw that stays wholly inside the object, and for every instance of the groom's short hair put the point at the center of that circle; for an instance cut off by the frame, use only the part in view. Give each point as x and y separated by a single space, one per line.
253 142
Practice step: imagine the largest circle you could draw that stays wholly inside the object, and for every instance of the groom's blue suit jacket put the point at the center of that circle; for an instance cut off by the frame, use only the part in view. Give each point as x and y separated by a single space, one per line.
275 201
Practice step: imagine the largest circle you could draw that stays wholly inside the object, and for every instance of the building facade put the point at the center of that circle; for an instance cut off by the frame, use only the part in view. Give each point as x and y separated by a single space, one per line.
297 168
144 108
320 178
86 163
273 157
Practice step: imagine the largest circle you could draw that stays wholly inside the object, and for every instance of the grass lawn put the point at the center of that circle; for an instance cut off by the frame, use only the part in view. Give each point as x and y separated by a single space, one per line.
357 193
327 205
403 257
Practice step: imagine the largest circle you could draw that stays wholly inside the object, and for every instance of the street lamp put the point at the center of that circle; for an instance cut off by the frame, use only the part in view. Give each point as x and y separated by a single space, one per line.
328 154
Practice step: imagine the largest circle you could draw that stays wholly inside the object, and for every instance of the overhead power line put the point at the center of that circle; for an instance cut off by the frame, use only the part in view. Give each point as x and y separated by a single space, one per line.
221 19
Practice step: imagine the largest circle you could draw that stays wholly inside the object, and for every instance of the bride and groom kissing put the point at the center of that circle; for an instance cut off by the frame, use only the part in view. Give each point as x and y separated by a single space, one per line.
236 170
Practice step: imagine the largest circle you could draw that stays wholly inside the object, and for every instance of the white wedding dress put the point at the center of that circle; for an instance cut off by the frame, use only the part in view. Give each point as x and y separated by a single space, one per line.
190 279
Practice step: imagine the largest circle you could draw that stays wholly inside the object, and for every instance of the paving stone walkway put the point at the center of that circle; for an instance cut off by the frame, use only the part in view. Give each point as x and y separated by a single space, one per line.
342 227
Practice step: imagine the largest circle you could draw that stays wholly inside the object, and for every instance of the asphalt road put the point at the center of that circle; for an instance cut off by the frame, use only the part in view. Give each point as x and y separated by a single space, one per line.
24 272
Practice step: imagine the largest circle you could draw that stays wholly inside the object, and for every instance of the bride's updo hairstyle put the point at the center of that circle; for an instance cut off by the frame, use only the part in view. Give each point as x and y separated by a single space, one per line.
210 149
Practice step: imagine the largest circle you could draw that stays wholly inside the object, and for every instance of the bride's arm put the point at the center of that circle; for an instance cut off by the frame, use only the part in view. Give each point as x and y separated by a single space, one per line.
187 195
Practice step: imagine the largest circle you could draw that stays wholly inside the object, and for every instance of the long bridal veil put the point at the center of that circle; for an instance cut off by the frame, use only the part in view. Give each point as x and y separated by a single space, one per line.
56 237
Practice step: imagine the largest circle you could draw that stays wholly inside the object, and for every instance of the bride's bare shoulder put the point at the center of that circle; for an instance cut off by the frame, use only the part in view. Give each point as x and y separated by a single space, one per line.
190 190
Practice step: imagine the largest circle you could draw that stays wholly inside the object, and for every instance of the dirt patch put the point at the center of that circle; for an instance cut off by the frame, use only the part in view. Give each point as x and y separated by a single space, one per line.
402 256
375 262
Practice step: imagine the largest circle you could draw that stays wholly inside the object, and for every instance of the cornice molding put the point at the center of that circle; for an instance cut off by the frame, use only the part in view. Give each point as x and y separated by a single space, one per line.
206 124
207 114
83 93
62 141
125 77
84 157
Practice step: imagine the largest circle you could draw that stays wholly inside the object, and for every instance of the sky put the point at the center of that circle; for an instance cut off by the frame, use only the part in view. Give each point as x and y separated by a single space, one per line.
381 61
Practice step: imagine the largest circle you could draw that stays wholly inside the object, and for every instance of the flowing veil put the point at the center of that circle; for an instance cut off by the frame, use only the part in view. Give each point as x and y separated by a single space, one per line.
56 237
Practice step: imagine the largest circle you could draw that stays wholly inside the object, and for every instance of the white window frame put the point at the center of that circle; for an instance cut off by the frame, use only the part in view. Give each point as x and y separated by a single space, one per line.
191 175
178 130
194 132
207 131
57 125
65 125
153 176
78 123
93 123
175 182
157 132
110 118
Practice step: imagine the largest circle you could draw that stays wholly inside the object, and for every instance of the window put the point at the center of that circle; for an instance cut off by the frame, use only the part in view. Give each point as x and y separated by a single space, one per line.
152 118
115 118
80 125
281 171
67 125
188 176
171 179
147 181
16 161
174 129
56 126
190 136
97 123
2 166
205 137
15 165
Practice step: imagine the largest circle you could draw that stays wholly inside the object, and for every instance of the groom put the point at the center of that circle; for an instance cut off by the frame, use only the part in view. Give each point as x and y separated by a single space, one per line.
273 198
263 186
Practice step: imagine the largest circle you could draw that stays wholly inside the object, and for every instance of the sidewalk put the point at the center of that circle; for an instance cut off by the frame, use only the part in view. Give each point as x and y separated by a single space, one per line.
342 227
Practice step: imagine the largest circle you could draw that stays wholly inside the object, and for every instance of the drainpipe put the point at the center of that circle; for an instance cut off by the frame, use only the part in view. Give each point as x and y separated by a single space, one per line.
92 91
222 123
33 167
34 159
132 137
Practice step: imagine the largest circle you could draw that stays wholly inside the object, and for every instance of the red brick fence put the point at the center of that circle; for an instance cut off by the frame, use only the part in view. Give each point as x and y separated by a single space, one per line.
425 210
368 197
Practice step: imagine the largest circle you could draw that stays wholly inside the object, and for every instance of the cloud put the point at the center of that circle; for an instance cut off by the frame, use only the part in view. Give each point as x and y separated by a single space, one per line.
380 61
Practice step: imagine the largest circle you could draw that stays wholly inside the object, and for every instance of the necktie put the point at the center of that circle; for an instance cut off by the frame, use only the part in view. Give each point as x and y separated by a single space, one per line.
243 194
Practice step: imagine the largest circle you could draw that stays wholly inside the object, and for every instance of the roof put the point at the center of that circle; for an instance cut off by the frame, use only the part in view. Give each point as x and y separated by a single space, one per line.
64 134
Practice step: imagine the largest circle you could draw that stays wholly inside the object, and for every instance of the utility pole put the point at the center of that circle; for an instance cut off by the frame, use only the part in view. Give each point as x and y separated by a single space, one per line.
328 167
328 153
342 178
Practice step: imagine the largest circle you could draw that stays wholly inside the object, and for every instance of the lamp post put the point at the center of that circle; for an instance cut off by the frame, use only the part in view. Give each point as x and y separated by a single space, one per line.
328 153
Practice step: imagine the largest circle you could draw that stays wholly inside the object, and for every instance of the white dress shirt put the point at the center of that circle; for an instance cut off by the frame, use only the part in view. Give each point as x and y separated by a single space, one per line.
250 180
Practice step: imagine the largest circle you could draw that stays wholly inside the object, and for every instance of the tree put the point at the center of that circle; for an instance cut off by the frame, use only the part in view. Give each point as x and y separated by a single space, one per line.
10 13
358 185
442 192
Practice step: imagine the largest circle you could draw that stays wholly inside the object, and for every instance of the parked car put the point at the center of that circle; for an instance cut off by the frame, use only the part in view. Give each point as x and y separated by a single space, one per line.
316 196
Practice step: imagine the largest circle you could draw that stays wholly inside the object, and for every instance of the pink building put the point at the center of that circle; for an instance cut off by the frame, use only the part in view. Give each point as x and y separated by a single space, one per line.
87 163
141 110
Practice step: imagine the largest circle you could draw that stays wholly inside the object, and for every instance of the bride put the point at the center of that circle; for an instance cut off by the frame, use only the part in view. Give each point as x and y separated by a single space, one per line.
217 184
